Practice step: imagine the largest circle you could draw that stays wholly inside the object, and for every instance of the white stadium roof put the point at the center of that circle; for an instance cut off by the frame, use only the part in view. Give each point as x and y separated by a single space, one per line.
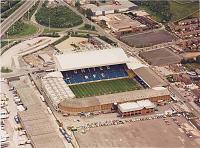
88 59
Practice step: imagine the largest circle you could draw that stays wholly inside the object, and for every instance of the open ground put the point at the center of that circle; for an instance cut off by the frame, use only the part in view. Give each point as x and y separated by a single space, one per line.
147 39
160 57
66 45
152 133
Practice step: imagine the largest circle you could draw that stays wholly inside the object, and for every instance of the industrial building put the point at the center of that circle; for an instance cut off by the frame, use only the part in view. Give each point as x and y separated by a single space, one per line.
109 8
121 24
35 119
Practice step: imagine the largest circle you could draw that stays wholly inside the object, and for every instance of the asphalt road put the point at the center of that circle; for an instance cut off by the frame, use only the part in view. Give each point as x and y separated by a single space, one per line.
175 91
14 17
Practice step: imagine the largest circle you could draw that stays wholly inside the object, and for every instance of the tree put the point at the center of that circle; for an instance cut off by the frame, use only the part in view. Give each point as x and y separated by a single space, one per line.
198 59
89 13
93 27
77 4
87 26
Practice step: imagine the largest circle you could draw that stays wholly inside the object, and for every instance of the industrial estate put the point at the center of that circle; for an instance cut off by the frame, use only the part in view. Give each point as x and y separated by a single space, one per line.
100 73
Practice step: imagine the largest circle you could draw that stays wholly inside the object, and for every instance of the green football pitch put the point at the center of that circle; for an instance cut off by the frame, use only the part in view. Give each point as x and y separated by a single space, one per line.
104 87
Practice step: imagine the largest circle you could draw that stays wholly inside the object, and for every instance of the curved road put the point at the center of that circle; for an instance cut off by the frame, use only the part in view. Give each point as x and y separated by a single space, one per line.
8 22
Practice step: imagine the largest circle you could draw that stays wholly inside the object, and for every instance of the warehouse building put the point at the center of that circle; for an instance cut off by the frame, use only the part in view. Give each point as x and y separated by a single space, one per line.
109 8
141 107
35 120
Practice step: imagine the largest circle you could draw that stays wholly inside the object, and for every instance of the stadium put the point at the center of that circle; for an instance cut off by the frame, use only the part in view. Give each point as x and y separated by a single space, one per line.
95 79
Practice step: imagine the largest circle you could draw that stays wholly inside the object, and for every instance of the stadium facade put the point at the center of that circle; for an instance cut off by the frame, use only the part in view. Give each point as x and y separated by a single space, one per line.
106 102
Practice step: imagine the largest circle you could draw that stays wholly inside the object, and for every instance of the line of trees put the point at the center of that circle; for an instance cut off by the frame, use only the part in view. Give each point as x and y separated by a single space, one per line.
8 4
192 60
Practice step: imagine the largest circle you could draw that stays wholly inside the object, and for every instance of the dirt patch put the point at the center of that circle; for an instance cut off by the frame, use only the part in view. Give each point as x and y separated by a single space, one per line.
152 133
160 57
148 39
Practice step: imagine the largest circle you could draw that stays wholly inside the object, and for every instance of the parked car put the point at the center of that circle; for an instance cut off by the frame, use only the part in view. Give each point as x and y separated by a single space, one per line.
62 130
16 118
67 138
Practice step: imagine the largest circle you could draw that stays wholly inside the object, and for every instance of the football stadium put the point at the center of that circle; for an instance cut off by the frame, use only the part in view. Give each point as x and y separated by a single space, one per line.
96 72
94 80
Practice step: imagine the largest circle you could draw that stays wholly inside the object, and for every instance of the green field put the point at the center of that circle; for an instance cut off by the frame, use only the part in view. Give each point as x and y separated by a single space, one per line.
104 87
181 10
170 11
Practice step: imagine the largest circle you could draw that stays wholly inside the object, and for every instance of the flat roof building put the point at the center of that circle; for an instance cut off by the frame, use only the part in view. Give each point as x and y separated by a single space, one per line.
136 108
121 23
35 119
112 7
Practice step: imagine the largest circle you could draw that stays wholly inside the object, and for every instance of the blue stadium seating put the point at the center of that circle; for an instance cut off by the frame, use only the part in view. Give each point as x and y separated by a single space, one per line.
141 82
95 74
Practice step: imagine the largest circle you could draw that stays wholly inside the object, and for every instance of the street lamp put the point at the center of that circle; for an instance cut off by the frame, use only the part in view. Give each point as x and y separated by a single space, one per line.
49 23
7 39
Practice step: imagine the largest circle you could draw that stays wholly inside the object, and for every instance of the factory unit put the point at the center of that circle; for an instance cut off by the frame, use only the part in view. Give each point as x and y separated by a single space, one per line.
109 8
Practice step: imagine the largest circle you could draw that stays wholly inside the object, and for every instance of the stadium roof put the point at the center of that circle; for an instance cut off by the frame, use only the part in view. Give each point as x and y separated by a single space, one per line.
56 88
135 63
135 95
89 59
150 77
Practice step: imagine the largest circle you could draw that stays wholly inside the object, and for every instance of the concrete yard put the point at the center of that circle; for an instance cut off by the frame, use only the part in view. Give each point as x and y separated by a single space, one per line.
160 57
66 46
147 39
151 133
34 60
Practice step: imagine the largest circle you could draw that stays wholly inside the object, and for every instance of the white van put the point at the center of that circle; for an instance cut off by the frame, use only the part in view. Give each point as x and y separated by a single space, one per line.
20 108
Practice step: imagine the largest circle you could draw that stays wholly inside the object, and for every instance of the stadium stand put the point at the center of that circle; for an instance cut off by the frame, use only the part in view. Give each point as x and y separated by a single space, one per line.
95 74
